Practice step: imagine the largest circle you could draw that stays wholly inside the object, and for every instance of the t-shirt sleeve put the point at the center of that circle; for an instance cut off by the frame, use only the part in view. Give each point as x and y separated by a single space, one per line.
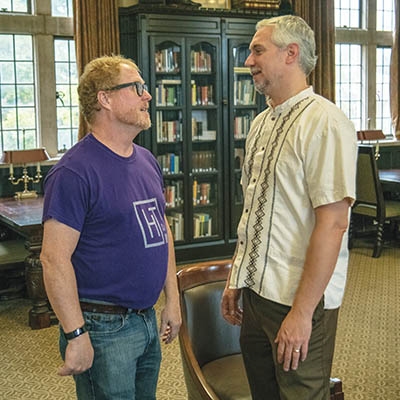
66 198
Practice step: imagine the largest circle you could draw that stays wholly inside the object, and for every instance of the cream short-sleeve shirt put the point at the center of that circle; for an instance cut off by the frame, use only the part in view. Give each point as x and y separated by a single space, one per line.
300 155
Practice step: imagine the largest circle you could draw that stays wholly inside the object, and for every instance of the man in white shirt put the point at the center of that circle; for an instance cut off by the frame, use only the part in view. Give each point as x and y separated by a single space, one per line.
291 258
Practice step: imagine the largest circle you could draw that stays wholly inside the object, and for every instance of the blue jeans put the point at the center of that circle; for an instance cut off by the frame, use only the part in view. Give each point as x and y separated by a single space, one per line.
127 357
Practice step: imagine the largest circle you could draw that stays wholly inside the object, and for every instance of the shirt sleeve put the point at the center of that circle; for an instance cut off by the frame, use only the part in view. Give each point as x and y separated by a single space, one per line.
330 166
66 198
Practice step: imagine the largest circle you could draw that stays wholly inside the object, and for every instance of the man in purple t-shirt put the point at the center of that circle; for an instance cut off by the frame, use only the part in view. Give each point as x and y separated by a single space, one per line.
107 248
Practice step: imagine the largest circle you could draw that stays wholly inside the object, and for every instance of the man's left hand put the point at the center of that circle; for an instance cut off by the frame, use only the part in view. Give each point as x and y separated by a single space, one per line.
292 339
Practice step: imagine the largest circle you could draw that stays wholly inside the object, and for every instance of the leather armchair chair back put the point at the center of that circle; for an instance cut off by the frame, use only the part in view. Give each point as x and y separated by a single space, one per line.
211 356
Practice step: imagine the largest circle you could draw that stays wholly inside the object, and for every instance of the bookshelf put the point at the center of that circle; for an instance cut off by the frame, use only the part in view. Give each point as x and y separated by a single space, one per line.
203 103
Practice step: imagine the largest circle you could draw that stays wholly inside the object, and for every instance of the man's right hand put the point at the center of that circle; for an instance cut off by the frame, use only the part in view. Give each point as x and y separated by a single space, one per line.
78 356
230 308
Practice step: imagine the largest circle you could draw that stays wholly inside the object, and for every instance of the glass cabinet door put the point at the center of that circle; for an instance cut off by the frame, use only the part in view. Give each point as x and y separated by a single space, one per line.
168 101
204 148
245 105
186 135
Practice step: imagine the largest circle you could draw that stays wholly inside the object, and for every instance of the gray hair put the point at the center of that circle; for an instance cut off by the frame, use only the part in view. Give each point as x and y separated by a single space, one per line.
293 29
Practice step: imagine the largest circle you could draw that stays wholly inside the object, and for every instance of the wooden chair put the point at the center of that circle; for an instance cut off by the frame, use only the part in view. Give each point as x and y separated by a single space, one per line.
370 201
211 356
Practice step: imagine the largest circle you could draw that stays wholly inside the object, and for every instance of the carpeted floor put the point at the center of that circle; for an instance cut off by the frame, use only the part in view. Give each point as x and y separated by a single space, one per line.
366 359
367 354
29 361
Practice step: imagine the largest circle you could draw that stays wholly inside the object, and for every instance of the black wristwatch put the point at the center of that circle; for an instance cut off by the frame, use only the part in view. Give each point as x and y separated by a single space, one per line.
74 334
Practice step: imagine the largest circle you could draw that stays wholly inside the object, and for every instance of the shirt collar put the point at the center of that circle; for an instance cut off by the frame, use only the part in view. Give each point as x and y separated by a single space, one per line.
289 103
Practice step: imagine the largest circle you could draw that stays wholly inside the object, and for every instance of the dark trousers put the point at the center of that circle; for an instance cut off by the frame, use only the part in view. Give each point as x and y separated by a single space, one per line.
268 381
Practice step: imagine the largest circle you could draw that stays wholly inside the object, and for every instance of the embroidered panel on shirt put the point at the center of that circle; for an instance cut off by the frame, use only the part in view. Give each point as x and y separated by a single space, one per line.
151 222
270 161
258 227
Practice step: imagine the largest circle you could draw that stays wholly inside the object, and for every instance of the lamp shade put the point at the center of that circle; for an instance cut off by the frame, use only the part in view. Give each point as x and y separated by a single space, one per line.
24 156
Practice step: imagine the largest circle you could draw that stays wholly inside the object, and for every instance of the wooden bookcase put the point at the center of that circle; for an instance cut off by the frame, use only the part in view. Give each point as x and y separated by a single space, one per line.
202 106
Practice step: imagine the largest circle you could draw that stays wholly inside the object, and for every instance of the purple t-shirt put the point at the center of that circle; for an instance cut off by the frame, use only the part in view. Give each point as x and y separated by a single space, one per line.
117 205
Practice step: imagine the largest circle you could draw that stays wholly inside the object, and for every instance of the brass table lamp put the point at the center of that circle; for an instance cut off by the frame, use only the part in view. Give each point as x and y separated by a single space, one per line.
23 157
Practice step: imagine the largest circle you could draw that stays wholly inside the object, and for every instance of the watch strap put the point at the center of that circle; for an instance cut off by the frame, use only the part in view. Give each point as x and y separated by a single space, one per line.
74 334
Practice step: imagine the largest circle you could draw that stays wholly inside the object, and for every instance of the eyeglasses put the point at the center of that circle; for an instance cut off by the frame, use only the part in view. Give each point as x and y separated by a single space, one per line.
139 86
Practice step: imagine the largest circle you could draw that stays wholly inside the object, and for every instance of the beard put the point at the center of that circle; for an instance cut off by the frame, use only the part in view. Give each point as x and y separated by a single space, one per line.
261 87
139 119
143 123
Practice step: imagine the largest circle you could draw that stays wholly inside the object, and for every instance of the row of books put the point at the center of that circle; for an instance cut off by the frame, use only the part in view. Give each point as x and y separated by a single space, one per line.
244 92
168 131
169 92
170 163
241 126
201 193
174 194
167 60
200 129
202 95
171 131
203 161
256 4
176 223
200 61
202 225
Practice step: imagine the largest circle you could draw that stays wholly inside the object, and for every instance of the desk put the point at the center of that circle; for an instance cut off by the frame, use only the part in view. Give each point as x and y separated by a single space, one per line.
25 218
389 152
389 175
390 180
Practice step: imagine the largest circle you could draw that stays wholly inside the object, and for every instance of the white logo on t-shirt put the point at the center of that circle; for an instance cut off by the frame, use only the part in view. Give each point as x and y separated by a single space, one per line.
151 222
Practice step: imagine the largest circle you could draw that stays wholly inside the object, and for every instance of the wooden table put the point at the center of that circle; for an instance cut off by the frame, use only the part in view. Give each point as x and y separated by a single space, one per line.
389 175
25 218
390 180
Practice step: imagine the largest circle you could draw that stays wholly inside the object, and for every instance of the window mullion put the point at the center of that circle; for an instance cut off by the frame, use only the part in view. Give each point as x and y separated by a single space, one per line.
371 86
371 15
46 93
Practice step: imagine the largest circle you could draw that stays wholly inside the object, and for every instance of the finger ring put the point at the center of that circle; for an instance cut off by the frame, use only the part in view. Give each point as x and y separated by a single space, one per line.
296 350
